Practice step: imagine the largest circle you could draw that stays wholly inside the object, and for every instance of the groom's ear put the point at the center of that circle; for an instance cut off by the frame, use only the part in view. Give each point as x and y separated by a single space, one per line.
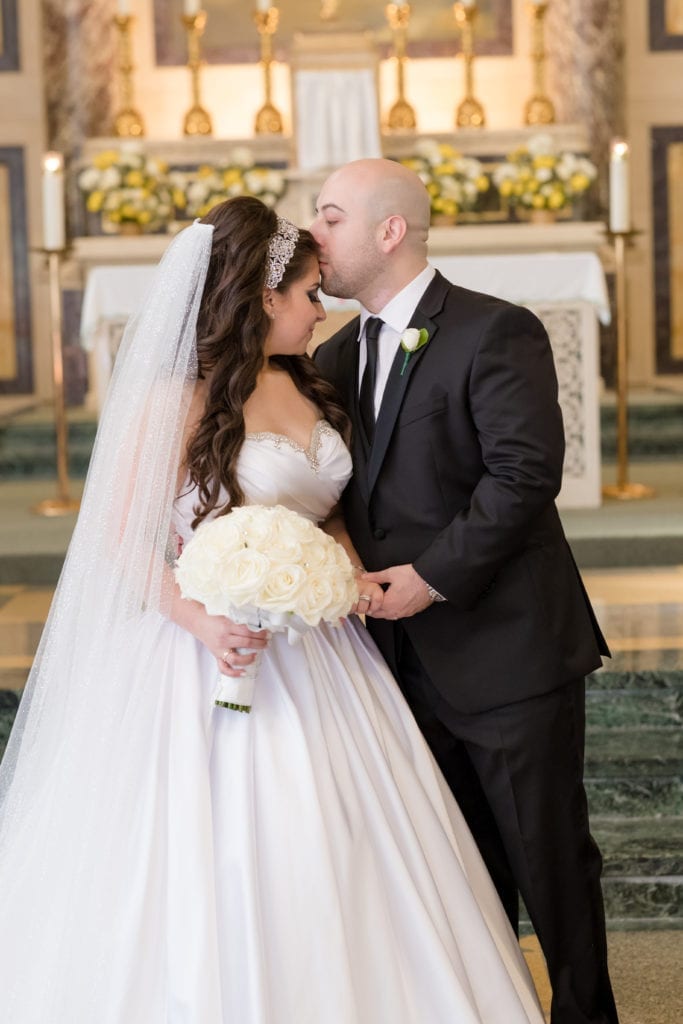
393 231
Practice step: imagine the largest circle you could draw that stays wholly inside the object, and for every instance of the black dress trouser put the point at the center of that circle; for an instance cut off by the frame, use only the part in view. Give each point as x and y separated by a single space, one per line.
517 774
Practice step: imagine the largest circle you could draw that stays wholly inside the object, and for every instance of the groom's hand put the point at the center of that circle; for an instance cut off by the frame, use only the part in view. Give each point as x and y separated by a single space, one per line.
405 592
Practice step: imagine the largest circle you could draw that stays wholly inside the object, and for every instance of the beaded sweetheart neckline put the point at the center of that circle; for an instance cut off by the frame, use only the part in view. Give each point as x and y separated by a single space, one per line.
320 429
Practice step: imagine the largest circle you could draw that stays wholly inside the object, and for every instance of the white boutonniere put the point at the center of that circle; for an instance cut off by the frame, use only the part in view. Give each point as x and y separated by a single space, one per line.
411 340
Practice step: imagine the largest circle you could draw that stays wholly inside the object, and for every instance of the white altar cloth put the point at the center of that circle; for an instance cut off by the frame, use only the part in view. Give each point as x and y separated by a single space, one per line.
566 290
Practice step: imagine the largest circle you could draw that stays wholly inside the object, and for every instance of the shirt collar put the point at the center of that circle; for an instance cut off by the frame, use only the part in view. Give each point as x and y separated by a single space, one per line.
399 310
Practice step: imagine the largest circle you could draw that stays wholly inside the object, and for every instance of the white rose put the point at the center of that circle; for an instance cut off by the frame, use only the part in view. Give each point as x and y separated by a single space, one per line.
280 590
410 339
316 555
241 156
111 178
89 179
316 597
243 576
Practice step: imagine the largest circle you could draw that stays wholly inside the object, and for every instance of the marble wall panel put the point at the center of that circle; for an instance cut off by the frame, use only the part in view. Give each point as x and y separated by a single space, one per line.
585 50
79 61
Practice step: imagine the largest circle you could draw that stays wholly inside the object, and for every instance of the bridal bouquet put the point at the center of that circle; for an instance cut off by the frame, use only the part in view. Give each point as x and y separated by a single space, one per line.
268 568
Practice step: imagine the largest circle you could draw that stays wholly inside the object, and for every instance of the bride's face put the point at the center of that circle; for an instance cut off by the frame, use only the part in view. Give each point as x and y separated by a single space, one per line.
294 313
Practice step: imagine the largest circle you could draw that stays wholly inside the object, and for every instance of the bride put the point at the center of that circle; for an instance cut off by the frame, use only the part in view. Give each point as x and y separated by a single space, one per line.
163 860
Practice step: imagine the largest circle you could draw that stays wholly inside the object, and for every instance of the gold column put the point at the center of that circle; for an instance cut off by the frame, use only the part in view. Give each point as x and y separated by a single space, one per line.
539 108
197 119
128 121
401 116
268 119
623 490
63 504
470 113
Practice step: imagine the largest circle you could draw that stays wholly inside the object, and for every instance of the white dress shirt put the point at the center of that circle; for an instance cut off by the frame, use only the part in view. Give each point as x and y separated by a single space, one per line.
396 316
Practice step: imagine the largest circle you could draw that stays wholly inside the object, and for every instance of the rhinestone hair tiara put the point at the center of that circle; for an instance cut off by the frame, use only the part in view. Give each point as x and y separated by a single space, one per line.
281 246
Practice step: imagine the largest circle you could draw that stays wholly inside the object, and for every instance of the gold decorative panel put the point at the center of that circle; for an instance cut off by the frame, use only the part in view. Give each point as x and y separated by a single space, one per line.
231 35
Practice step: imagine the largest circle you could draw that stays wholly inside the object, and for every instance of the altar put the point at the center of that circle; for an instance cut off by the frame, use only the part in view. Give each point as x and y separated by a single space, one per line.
565 287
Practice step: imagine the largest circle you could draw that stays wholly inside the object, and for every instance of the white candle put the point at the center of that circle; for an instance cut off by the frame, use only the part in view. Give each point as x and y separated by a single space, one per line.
264 5
54 231
619 197
191 7
123 7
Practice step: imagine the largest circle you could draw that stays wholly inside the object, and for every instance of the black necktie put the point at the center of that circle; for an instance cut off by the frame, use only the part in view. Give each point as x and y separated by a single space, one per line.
367 387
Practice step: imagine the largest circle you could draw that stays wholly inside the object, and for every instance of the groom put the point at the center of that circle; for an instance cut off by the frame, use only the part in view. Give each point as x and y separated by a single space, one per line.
458 448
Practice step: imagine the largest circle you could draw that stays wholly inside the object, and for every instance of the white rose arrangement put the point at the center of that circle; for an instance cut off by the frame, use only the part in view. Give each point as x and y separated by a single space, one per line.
126 186
268 568
197 192
454 182
539 177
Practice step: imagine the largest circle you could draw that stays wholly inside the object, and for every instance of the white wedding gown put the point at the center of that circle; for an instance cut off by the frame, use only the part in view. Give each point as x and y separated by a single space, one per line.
301 864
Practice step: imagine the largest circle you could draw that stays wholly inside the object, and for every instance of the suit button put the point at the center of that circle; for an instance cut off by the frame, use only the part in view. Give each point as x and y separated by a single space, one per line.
379 533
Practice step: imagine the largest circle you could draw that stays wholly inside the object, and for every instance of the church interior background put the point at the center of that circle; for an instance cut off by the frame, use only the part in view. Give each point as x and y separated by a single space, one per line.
199 102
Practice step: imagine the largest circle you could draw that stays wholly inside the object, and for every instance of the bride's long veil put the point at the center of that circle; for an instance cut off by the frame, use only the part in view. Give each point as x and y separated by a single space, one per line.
75 807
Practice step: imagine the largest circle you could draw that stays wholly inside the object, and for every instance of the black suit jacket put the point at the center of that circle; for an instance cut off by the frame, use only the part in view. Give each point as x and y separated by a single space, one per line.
461 481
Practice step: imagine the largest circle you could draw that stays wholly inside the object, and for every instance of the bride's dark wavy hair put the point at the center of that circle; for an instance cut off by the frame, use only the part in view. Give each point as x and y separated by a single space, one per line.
231 331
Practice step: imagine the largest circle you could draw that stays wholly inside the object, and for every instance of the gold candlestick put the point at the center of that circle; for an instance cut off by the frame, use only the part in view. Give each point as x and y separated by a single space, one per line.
63 504
197 119
128 121
470 113
401 116
268 120
539 109
623 490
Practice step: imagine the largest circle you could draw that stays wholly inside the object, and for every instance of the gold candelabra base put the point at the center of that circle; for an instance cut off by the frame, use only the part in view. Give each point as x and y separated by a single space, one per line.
197 120
63 504
623 490
128 124
401 117
128 121
470 114
268 120
628 492
539 110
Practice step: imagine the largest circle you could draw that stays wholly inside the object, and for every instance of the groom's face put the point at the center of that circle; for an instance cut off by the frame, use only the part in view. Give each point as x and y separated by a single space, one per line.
346 234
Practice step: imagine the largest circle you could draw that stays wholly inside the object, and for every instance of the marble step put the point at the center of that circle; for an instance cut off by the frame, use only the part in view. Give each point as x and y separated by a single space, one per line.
27 445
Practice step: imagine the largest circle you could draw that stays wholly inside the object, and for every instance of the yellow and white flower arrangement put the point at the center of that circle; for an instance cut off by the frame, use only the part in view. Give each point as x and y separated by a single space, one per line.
126 186
455 183
269 568
539 177
197 192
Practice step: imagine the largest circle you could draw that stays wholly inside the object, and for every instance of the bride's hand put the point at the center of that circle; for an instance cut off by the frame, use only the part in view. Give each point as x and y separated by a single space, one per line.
223 637
370 598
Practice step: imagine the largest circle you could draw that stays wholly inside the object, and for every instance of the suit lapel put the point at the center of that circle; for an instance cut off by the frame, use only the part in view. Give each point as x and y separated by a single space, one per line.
397 384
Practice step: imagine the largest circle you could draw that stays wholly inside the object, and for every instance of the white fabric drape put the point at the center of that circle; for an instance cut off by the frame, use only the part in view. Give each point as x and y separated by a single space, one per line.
337 119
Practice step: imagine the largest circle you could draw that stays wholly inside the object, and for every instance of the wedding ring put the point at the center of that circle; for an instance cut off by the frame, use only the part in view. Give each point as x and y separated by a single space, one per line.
225 656
364 597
